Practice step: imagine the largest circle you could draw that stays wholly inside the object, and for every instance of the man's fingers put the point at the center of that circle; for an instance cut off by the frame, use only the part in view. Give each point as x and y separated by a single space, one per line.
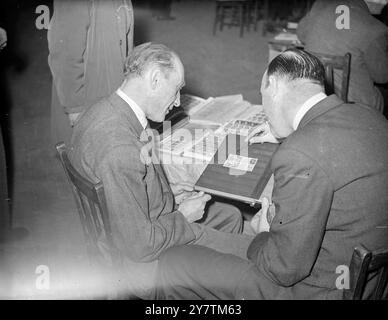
266 137
185 186
258 131
257 140
206 197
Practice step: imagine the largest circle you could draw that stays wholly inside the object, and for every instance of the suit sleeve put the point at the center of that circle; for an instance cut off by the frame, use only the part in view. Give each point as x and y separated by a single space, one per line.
141 236
376 57
302 196
67 39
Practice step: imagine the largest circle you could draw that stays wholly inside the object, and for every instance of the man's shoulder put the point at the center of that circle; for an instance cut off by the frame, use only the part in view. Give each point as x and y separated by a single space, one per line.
101 131
339 132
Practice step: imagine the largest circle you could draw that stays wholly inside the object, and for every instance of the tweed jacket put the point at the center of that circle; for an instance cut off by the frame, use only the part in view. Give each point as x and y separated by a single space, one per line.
106 145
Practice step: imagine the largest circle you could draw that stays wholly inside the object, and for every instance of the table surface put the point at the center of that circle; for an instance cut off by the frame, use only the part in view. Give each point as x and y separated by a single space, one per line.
183 168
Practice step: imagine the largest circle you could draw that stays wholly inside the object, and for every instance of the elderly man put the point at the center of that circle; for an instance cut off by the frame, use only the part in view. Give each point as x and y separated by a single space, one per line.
331 179
107 145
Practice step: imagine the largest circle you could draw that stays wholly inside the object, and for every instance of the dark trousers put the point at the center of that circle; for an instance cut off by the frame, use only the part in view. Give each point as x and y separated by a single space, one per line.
220 230
197 272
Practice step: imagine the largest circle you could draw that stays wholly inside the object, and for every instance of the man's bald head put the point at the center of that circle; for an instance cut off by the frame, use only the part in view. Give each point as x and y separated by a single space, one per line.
295 64
291 78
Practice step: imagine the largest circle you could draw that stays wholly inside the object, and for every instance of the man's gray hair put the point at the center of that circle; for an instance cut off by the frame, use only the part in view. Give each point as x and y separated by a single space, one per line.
149 54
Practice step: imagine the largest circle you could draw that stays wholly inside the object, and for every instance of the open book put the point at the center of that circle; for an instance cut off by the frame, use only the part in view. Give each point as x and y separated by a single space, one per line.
205 147
219 110
207 123
238 171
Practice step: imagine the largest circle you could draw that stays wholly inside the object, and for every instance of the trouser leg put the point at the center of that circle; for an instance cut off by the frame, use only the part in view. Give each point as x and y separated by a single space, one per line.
138 278
223 217
230 243
195 272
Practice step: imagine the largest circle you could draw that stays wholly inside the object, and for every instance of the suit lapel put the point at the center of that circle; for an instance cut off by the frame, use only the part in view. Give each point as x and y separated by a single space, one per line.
320 108
125 111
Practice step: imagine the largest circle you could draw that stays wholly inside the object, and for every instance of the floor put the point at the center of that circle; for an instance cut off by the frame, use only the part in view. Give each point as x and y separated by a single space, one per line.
42 203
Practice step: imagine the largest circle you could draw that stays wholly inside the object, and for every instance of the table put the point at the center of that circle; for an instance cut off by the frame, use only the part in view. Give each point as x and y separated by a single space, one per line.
180 168
287 40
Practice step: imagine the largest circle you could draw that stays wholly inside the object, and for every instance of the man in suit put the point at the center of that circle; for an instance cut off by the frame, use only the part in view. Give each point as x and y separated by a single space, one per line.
88 42
365 37
330 185
146 213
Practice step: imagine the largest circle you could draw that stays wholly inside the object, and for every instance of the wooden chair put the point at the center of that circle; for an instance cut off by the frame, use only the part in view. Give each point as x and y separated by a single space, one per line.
364 263
234 10
93 212
330 63
299 9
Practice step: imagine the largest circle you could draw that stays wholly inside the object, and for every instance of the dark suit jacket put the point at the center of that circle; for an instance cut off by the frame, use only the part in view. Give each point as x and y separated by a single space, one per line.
366 40
106 145
330 194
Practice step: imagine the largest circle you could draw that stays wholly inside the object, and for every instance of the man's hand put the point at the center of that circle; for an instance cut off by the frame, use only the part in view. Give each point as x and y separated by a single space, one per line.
182 190
73 118
193 207
262 220
261 134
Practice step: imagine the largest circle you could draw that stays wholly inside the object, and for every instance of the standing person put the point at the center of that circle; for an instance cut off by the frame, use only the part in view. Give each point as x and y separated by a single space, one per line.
89 42
330 185
366 38
4 204
7 232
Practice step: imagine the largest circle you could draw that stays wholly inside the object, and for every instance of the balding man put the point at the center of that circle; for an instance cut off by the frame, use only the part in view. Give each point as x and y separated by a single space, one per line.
331 179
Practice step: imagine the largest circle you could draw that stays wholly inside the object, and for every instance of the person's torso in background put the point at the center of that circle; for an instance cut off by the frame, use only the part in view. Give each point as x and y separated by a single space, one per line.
323 36
110 40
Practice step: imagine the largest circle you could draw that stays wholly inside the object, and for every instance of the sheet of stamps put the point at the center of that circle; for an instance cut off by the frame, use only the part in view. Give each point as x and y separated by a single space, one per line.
237 162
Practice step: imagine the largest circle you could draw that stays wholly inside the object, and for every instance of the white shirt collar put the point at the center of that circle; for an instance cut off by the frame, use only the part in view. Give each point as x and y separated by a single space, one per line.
309 103
135 108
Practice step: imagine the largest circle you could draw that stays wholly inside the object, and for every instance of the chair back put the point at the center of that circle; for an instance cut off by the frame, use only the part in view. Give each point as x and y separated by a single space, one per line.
331 62
92 209
363 264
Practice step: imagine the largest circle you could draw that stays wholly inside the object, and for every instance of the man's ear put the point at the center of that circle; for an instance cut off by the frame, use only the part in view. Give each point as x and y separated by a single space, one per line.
273 85
155 78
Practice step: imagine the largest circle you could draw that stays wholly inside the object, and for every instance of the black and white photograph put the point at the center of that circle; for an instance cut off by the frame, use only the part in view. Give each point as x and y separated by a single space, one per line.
190 156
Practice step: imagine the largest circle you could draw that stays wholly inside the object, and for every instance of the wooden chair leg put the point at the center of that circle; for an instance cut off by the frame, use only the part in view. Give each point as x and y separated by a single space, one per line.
256 14
222 17
216 20
242 20
247 16
265 17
